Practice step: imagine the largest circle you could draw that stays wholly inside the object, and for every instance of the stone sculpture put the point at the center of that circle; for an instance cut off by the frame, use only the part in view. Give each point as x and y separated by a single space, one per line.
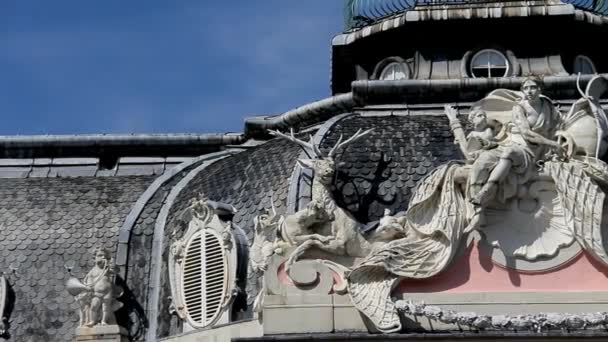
322 223
524 322
266 241
526 165
538 156
97 294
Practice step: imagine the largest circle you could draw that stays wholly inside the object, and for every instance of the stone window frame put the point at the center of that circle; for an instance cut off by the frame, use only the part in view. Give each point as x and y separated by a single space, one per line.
507 62
583 59
388 62
209 315
204 222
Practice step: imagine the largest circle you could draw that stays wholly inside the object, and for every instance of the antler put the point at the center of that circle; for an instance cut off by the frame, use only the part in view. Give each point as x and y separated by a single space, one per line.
578 86
274 209
341 144
306 146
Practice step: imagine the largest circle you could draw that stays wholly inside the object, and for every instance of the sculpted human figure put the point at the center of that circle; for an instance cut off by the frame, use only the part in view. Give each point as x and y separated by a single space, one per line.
501 171
531 131
480 138
97 292
502 161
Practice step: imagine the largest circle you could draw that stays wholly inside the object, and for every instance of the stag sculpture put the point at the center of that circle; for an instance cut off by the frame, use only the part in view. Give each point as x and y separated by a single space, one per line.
322 223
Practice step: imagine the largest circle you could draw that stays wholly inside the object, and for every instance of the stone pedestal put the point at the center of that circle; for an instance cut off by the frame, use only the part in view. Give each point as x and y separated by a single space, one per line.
101 333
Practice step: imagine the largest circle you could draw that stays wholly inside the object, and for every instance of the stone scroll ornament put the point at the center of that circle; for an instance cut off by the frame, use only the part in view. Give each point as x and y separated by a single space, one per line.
97 293
520 147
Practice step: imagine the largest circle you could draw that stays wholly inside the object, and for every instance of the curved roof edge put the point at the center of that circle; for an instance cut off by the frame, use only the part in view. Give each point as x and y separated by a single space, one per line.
488 11
157 247
124 233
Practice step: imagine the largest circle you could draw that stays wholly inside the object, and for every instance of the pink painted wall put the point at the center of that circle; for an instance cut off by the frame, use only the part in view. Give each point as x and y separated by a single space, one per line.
475 272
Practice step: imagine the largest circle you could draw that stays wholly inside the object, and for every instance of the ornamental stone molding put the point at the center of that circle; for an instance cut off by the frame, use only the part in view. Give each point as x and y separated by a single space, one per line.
521 322
203 264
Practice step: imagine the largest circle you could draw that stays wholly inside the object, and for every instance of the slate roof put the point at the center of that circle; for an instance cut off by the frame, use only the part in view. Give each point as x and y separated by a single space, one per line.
380 170
245 180
48 224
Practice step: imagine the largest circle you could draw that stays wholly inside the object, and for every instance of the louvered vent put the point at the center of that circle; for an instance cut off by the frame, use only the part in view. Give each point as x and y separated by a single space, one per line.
204 278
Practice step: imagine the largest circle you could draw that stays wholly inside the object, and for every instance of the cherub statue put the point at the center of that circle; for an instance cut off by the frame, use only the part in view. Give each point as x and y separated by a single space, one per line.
97 293
482 137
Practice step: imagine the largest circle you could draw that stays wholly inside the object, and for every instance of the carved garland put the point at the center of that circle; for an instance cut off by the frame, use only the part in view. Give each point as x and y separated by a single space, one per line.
536 322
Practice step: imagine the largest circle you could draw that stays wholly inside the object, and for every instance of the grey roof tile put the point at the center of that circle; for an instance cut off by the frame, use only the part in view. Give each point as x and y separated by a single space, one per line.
50 223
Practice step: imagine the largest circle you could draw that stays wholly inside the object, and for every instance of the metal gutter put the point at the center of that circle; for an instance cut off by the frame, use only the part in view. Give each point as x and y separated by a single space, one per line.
105 140
298 117
109 147
372 92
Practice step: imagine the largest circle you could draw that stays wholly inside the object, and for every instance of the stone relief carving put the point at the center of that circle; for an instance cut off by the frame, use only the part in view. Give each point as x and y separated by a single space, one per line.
526 164
524 322
533 172
204 218
3 301
266 242
322 223
97 294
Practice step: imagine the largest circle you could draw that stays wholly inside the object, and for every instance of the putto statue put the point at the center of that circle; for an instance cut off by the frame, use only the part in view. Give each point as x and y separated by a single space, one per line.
97 294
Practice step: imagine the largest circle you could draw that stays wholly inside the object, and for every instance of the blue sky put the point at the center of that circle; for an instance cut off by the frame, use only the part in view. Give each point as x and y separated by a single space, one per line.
148 66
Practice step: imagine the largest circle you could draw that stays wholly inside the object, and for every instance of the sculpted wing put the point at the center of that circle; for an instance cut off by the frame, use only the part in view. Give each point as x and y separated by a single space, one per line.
583 203
436 225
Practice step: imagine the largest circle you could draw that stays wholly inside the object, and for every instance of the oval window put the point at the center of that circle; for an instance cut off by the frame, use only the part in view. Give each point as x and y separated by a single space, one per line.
204 278
489 63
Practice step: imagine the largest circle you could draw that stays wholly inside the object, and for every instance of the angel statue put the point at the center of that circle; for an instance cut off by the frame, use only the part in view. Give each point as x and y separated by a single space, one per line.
527 167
